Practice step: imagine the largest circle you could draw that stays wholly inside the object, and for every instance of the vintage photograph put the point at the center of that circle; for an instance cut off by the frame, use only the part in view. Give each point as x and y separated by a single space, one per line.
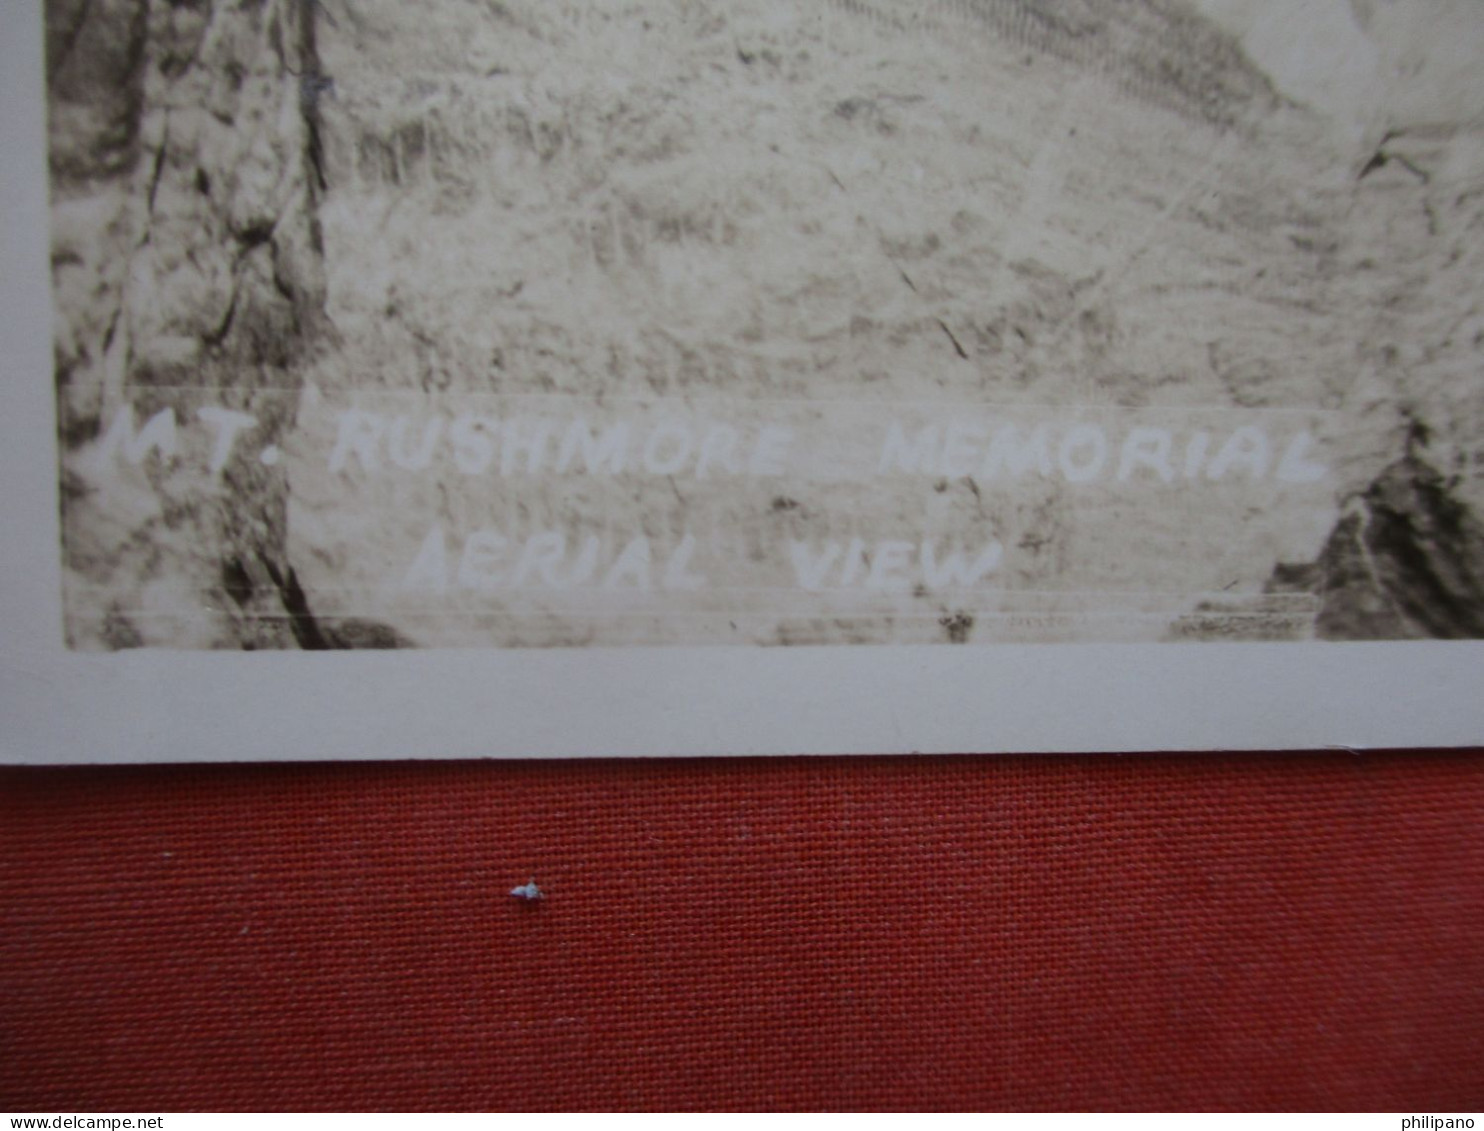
557 323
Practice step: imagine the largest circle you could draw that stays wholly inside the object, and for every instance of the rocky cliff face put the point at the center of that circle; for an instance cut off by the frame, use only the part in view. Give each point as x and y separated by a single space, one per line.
267 205
1404 562
188 266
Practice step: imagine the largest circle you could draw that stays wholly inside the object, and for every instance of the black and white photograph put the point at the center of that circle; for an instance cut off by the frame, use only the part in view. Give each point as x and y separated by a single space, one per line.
505 323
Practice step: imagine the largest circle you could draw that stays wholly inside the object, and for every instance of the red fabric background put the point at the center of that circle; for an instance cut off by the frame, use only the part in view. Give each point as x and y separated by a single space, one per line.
1203 931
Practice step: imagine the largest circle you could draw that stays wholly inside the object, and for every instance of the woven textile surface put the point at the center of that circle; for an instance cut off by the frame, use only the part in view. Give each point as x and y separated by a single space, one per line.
1202 931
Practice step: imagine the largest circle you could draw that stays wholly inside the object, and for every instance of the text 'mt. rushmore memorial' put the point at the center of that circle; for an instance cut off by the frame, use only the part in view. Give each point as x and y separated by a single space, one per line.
533 322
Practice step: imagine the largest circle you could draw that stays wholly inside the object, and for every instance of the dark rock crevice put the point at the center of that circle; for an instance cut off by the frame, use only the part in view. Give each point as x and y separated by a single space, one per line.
311 632
313 84
302 621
